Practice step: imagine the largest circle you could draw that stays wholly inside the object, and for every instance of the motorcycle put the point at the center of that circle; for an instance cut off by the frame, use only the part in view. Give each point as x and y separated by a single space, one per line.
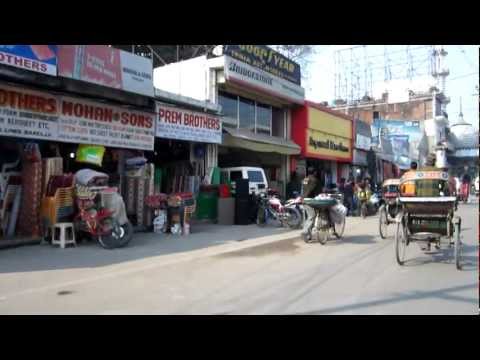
102 215
270 207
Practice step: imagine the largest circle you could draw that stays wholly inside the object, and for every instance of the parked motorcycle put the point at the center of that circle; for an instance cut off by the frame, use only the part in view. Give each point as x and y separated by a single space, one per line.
270 207
101 213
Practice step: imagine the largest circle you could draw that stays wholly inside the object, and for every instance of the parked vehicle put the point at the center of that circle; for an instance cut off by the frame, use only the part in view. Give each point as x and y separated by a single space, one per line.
257 179
270 207
101 210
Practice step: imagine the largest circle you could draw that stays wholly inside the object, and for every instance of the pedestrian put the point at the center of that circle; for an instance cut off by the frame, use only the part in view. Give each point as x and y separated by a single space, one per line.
348 196
309 190
294 187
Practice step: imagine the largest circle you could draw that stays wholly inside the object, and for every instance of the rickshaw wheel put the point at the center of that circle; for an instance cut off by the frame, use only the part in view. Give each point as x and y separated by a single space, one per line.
400 243
383 222
458 247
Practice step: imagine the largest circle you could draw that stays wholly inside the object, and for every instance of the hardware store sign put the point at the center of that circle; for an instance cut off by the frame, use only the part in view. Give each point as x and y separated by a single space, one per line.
181 124
39 115
88 122
28 114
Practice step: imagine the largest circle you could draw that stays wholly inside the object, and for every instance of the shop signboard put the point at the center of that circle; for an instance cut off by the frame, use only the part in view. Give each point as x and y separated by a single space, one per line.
266 59
37 58
328 136
240 72
88 122
107 66
28 114
181 124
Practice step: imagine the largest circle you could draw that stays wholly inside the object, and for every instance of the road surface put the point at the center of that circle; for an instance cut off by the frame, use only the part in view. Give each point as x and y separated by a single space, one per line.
356 275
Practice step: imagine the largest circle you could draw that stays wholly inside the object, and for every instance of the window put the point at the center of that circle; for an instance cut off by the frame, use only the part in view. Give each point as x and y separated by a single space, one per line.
264 119
229 105
235 175
278 122
376 115
247 114
255 176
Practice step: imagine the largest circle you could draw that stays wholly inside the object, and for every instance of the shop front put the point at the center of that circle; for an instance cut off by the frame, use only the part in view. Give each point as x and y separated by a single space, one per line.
360 152
45 138
326 140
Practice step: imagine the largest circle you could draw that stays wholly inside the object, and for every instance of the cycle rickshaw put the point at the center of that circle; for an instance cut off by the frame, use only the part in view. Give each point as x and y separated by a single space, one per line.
390 205
427 213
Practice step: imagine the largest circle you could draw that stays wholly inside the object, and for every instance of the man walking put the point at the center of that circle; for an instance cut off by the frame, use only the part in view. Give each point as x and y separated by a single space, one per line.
310 184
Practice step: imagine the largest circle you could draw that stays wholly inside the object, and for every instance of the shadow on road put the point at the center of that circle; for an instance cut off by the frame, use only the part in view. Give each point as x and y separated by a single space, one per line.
446 256
445 294
356 239
143 245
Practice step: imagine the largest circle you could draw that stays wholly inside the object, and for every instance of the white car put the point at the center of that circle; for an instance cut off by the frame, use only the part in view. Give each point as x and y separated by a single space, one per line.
256 177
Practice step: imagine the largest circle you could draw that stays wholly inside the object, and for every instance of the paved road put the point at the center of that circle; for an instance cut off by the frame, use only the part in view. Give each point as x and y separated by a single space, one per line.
356 275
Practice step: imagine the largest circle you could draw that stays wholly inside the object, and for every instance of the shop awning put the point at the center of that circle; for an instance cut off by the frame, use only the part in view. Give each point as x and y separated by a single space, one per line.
245 139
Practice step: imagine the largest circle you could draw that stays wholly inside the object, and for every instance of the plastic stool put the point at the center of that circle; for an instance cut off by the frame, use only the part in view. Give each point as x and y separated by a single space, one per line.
63 240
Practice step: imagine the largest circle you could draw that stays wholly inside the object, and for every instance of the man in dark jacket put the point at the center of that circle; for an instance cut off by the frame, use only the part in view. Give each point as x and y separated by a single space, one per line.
310 184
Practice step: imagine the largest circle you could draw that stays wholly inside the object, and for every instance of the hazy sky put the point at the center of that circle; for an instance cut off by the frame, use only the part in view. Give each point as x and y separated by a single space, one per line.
462 61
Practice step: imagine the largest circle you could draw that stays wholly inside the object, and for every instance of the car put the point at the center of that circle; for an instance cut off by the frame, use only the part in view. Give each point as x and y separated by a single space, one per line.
257 179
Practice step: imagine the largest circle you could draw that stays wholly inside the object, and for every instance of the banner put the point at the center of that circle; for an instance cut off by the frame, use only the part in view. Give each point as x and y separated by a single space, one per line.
37 58
241 72
181 124
362 142
39 115
107 66
28 114
266 59
324 144
87 122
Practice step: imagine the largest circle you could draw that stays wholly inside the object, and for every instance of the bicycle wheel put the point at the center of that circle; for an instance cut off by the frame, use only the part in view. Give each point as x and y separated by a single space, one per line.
339 229
400 243
383 222
294 219
322 236
458 247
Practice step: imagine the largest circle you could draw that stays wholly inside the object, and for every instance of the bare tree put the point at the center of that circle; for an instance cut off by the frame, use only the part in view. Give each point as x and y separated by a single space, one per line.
301 54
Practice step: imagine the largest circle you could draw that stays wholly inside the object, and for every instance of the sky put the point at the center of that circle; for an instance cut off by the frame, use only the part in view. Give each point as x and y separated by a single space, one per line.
462 61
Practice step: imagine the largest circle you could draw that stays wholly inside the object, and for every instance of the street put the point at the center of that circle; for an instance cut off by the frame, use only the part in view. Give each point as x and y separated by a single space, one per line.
355 275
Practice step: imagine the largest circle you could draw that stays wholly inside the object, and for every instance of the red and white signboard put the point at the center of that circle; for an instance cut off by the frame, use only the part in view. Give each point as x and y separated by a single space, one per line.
88 122
28 114
107 66
182 124
39 115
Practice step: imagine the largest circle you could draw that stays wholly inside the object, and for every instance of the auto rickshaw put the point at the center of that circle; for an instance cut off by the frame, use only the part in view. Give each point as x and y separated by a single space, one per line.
427 213
390 205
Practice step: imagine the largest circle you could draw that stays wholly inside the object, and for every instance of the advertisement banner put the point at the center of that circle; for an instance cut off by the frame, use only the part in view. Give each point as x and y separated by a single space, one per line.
396 131
28 114
37 58
266 59
362 142
181 124
323 144
87 122
107 66
238 71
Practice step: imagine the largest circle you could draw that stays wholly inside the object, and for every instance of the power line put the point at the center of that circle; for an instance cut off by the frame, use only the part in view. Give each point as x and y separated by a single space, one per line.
463 76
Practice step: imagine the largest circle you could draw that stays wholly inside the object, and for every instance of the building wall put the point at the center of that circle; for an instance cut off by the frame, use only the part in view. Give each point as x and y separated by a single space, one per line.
413 110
